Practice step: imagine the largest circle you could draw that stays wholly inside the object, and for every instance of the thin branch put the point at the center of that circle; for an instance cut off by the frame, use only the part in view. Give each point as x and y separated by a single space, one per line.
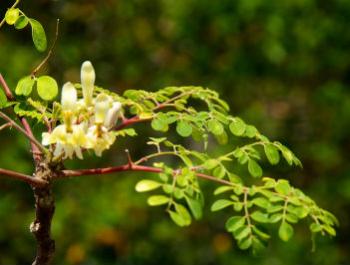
36 69
7 90
127 167
13 6
4 126
130 121
130 162
35 150
36 182
19 128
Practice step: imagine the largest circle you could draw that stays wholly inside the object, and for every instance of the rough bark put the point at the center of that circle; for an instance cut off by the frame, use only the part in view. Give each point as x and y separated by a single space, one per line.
44 211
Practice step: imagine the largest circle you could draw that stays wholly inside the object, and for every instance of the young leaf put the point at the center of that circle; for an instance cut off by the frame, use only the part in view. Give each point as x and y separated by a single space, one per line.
245 243
183 128
159 125
183 212
222 189
243 232
3 99
285 231
38 35
234 223
47 87
250 131
11 16
220 204
211 163
237 127
272 153
25 86
156 200
283 187
215 127
21 22
147 185
177 218
195 207
260 217
254 168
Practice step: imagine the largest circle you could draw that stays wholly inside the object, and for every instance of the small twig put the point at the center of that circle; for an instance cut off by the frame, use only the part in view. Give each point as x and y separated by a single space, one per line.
130 162
19 128
13 6
36 69
130 121
10 97
4 126
6 88
36 182
126 167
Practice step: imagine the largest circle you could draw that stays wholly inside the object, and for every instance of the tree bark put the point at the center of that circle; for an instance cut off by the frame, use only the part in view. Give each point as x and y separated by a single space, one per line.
44 211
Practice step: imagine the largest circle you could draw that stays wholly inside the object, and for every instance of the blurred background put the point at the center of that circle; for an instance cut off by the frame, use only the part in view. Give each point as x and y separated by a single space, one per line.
281 65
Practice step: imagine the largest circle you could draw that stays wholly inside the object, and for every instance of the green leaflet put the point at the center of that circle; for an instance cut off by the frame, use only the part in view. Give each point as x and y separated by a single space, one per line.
272 153
47 87
11 16
38 35
285 232
147 185
184 128
254 168
21 22
25 86
156 200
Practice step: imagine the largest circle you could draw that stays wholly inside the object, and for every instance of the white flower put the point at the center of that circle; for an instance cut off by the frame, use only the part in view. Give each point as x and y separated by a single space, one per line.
69 97
86 121
87 77
99 139
102 105
67 142
112 115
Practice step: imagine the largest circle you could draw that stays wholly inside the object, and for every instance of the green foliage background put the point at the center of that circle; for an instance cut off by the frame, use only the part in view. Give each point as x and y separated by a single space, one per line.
281 65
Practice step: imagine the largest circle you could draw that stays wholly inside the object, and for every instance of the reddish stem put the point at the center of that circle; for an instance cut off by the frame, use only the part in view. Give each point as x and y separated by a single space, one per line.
130 167
130 121
35 150
36 182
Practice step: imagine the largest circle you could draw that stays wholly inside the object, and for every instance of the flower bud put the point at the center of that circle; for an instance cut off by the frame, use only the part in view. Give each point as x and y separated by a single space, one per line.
87 77
102 104
69 97
112 115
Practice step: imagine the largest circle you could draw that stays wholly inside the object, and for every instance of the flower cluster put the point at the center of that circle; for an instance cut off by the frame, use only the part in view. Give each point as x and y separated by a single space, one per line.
86 122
